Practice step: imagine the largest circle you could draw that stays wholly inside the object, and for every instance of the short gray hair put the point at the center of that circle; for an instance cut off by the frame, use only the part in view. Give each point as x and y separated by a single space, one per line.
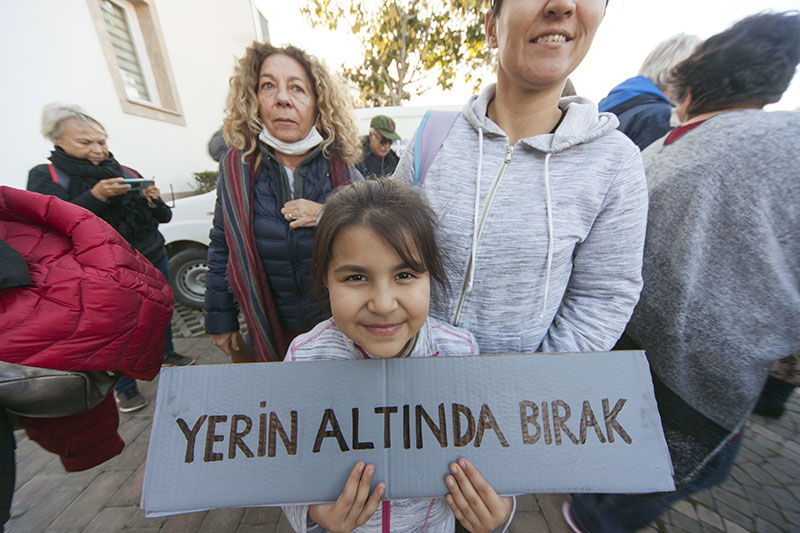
54 115
659 62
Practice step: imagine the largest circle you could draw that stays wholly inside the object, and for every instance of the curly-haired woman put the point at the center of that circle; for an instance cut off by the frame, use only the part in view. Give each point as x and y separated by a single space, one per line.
293 141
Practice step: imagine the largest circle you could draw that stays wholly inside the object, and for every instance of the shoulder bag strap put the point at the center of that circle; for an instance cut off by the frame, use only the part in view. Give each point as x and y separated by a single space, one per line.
431 133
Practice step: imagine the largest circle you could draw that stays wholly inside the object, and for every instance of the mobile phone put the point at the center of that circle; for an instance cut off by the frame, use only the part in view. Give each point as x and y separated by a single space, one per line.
138 183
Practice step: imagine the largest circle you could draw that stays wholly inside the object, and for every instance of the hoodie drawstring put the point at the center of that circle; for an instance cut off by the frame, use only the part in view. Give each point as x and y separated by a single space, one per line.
476 207
386 507
549 209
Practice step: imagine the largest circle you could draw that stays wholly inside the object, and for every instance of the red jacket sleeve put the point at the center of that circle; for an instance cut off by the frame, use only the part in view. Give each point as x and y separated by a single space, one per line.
83 440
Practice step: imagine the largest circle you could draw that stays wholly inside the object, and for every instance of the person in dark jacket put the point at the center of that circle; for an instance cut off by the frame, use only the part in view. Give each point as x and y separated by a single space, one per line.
293 141
720 301
379 159
641 103
83 172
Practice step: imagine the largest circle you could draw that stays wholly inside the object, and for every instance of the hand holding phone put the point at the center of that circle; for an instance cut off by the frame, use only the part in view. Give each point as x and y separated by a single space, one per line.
138 183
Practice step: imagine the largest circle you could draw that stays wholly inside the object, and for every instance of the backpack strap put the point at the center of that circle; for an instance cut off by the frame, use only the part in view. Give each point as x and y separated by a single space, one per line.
129 173
431 133
59 176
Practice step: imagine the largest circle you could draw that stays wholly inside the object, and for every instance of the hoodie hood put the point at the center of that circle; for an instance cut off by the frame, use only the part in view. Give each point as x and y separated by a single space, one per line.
581 122
547 234
628 89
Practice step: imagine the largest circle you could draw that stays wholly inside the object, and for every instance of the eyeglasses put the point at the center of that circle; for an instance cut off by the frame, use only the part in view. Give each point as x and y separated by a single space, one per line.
383 141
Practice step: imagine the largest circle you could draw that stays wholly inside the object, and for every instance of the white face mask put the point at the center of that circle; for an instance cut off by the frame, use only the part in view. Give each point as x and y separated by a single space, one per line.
296 148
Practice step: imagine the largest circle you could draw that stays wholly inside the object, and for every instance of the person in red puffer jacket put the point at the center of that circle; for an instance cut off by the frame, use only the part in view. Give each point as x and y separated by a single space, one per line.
92 303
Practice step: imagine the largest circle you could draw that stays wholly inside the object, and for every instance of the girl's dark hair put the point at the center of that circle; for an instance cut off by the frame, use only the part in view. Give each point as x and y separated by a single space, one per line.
395 211
750 63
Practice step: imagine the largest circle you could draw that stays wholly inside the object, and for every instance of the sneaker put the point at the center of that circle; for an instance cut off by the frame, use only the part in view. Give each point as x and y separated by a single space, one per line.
176 359
566 510
129 400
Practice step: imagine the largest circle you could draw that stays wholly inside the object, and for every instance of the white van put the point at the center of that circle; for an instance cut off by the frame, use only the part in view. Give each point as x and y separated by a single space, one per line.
187 233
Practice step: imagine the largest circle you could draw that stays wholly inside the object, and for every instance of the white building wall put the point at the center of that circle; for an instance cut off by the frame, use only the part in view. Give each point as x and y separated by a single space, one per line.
51 52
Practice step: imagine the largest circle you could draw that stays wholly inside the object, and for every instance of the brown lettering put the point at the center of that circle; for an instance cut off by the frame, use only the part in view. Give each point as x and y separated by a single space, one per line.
275 427
322 432
357 445
406 428
611 420
262 433
588 419
212 437
548 438
387 431
235 438
460 439
191 435
559 421
440 431
486 421
526 420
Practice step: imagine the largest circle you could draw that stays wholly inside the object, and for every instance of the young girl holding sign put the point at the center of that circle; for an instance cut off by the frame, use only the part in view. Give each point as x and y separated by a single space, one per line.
375 252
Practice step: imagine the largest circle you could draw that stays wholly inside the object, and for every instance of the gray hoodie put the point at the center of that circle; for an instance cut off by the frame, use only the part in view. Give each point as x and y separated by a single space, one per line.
544 238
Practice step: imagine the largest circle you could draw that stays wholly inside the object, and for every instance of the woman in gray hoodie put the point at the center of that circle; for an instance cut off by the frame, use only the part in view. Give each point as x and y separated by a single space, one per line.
542 204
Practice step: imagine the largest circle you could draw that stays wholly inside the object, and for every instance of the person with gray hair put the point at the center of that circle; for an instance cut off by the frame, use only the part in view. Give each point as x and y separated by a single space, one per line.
720 301
54 116
642 103
82 171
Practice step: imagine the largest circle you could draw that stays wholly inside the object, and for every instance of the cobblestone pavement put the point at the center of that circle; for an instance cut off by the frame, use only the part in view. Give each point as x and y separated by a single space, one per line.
762 494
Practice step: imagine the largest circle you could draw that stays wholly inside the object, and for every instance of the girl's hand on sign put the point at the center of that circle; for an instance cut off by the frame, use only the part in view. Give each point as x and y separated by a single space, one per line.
473 500
353 508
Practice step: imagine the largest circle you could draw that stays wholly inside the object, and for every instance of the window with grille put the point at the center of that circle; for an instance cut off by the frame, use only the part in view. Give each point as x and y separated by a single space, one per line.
136 54
124 50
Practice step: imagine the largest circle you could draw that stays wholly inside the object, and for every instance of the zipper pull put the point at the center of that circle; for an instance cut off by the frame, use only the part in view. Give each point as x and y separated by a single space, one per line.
509 150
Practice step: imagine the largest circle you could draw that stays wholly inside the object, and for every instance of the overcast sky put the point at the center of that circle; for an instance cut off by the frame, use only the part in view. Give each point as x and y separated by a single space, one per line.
630 30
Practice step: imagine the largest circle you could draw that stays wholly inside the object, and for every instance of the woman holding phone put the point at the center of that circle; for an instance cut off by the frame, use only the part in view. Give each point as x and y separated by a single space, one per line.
84 172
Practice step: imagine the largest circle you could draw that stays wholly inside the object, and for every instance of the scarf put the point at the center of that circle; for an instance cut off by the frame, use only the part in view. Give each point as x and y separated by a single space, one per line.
246 275
127 212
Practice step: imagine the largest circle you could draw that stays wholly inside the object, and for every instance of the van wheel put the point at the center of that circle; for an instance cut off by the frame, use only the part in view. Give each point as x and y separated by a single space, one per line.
187 276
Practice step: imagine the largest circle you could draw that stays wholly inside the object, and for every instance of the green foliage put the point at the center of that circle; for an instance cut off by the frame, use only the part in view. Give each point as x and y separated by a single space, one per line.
205 181
407 40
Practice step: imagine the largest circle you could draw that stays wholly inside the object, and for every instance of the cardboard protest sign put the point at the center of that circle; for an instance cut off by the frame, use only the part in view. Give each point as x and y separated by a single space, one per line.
270 433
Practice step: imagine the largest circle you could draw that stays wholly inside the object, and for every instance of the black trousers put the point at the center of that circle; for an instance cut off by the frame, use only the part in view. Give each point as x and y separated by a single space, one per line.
7 466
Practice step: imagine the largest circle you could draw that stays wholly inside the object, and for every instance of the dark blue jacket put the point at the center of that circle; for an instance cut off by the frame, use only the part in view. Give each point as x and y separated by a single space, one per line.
642 109
285 253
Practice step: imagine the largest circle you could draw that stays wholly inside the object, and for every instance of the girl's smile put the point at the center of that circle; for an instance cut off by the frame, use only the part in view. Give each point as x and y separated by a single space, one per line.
377 300
383 329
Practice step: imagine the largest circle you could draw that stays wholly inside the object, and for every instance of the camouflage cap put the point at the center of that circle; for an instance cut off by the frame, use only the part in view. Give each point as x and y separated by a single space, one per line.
385 126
